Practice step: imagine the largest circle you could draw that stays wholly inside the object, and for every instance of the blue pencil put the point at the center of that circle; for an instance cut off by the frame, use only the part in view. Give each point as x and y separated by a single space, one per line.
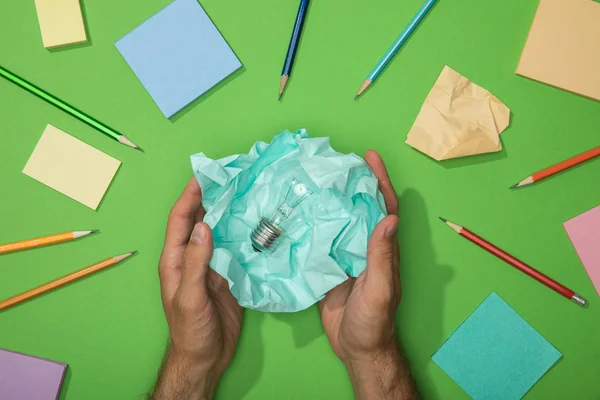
396 46
291 52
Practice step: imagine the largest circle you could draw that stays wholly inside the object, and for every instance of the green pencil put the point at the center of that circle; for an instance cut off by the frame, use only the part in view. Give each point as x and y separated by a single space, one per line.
55 101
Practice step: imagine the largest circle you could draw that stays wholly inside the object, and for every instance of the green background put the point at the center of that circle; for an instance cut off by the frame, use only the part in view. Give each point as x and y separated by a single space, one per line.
110 328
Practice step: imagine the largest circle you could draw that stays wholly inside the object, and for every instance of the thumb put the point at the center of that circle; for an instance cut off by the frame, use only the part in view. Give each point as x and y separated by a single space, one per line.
197 255
379 279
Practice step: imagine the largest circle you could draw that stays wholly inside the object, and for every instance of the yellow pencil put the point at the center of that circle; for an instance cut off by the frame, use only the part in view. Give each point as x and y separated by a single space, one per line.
43 241
55 284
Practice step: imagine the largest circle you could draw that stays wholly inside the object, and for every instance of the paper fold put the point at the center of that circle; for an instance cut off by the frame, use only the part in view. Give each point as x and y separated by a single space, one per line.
458 119
325 237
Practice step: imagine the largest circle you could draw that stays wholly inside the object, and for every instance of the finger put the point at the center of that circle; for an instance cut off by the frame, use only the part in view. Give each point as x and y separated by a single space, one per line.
179 226
337 297
331 308
385 184
396 270
199 217
380 278
217 283
391 199
183 214
197 256
219 289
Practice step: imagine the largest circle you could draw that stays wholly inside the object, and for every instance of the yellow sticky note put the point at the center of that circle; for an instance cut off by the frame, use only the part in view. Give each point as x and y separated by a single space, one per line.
61 22
563 46
72 167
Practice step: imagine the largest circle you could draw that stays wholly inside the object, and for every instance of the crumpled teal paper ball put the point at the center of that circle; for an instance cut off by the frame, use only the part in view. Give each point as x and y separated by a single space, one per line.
325 237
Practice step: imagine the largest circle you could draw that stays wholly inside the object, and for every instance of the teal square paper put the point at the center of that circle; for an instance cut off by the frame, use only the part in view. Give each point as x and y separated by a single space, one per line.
495 354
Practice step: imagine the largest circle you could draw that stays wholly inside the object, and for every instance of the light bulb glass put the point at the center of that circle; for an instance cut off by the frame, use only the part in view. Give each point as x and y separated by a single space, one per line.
267 232
296 194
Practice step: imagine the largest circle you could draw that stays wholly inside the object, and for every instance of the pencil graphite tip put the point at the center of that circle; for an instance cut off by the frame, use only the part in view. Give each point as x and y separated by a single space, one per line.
123 139
456 228
282 83
118 259
364 87
94 231
516 185
280 96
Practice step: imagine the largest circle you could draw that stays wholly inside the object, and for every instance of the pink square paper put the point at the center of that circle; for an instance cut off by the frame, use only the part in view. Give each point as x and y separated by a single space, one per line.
584 232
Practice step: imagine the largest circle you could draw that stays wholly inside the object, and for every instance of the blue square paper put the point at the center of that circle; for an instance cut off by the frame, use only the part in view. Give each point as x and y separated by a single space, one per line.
495 354
178 54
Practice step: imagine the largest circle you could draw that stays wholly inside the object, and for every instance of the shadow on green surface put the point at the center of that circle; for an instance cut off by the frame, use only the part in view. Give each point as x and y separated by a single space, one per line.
474 160
65 384
306 325
112 183
181 113
69 47
420 316
469 160
79 45
247 363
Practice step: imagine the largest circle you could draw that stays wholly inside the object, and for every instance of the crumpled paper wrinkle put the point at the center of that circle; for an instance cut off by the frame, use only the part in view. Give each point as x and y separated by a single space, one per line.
458 119
325 237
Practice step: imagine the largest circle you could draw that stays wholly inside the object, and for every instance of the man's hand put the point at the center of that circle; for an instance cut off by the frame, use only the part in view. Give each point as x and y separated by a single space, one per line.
204 318
359 315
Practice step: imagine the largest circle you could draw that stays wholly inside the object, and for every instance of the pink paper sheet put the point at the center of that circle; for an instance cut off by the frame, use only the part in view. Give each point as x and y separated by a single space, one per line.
584 232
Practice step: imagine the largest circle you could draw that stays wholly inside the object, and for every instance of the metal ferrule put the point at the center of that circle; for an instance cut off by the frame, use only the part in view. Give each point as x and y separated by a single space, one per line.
579 300
265 235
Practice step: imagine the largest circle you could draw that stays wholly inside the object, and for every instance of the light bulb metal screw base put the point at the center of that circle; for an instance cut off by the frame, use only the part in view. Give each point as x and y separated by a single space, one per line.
265 235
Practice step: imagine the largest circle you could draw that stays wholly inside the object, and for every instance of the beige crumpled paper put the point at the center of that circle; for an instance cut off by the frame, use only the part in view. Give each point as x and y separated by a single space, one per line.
458 119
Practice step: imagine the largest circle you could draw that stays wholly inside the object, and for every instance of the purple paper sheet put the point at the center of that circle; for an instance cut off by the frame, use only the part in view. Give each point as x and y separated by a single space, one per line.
26 377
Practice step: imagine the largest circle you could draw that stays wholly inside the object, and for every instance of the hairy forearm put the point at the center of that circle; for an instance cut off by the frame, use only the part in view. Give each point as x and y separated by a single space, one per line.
383 376
180 379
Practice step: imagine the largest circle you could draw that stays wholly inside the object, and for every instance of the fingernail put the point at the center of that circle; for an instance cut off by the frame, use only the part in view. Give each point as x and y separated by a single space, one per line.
392 229
199 234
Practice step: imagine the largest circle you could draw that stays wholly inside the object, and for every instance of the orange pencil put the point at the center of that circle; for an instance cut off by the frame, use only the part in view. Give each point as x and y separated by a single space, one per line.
561 166
43 241
55 284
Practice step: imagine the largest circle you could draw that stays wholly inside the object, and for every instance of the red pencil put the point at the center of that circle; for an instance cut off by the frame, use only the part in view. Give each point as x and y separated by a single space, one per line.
561 166
520 265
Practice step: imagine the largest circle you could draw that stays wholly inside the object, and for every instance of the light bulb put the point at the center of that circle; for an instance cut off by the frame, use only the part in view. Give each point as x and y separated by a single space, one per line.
265 235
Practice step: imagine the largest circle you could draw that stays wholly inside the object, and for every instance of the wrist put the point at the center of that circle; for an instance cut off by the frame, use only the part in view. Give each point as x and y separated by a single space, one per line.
381 375
184 378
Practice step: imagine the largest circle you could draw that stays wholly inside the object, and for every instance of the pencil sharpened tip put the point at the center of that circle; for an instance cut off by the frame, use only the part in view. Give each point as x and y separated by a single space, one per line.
133 253
516 185
94 231
364 87
444 220
282 83
127 142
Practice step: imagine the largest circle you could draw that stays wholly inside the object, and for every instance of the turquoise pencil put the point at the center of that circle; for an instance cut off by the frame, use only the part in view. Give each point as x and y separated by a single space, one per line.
396 46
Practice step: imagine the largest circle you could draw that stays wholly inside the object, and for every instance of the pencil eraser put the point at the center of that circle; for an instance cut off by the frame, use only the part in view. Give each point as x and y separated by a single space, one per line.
61 22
